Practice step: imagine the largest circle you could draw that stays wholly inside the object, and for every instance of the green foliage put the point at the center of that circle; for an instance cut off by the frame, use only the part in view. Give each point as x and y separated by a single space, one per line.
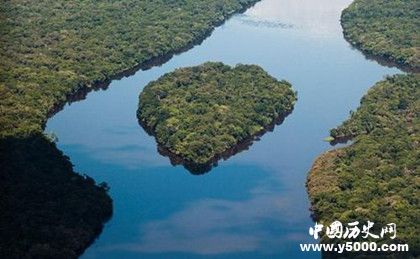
50 49
200 112
382 108
385 28
46 210
376 178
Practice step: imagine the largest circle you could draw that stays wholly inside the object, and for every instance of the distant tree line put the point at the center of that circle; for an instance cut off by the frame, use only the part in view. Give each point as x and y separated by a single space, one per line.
385 28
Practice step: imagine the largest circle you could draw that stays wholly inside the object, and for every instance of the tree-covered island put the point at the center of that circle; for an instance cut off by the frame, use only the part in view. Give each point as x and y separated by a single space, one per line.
200 112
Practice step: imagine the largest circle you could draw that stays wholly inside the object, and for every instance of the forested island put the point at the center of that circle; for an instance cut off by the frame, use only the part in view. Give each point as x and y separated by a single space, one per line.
50 51
200 112
385 29
376 178
53 50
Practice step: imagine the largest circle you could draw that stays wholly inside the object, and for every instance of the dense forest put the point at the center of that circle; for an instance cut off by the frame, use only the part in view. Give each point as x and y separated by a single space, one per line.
200 112
47 211
387 29
377 177
49 50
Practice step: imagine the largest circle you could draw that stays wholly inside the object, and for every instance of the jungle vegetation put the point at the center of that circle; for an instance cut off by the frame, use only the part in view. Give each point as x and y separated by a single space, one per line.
49 50
377 177
384 28
46 210
200 112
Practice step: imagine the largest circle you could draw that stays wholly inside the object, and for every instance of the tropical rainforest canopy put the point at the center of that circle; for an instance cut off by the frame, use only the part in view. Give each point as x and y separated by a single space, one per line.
49 50
376 178
384 28
200 112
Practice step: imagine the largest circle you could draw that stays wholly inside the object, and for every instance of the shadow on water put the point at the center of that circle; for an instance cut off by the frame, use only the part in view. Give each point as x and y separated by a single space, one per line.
199 169
385 61
46 210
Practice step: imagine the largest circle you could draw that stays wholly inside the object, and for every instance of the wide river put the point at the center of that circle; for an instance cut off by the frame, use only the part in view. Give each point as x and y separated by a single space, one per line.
255 204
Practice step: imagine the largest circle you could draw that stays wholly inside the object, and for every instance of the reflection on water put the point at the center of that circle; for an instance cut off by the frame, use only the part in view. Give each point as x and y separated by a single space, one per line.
253 205
259 22
188 231
198 169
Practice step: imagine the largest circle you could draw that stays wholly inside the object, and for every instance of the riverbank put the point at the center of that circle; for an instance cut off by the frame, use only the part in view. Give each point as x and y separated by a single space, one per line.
374 178
385 31
47 210
82 92
52 66
47 86
255 199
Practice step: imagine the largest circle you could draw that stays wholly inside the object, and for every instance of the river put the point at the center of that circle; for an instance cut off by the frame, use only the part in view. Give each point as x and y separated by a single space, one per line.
255 204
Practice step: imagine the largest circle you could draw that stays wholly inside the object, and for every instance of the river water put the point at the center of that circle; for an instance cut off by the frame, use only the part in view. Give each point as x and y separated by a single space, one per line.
254 205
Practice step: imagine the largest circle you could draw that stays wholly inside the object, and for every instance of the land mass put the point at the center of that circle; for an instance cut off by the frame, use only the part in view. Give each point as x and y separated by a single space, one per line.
200 112
50 51
385 29
376 178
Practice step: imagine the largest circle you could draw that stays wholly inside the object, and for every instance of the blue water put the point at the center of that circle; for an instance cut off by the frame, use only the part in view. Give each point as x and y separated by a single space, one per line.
254 205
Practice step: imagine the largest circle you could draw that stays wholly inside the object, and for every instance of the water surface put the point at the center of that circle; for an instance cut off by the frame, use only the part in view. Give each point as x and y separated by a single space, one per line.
253 205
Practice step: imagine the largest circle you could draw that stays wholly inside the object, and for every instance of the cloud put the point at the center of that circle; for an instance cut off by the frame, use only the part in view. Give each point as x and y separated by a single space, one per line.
216 226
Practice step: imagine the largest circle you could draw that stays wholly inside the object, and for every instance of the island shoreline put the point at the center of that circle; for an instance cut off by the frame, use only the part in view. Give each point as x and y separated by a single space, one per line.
198 169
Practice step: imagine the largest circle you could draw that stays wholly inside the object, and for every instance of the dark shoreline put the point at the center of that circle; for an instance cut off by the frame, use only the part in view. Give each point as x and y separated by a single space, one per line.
41 196
199 169
341 140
